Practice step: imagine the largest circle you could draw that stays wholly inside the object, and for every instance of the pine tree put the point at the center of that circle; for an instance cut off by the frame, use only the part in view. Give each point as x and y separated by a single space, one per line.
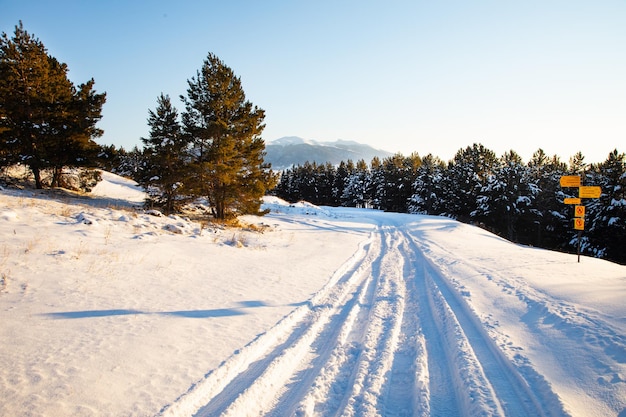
343 172
131 163
577 164
506 200
305 182
24 73
109 157
46 121
166 157
427 193
376 189
355 193
552 216
75 120
395 189
607 215
225 130
465 177
284 189
324 181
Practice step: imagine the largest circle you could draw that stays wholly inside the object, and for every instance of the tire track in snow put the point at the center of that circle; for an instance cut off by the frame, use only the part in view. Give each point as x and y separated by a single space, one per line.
336 336
378 368
487 378
222 386
539 305
406 391
380 334
338 358
350 351
386 337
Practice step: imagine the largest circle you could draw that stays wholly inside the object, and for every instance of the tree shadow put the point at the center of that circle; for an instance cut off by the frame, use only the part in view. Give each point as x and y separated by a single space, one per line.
203 314
196 314
91 313
252 303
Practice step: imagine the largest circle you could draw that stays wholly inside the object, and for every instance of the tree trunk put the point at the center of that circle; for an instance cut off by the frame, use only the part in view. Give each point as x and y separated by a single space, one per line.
220 212
56 177
37 175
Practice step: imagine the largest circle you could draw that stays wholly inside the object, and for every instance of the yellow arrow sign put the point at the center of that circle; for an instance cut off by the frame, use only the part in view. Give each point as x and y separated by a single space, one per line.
579 211
589 192
570 181
579 223
572 201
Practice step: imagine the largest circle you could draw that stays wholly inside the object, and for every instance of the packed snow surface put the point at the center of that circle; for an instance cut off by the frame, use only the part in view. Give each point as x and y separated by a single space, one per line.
107 310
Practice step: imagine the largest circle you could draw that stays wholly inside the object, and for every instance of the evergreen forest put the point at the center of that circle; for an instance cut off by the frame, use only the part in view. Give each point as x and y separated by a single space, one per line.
522 202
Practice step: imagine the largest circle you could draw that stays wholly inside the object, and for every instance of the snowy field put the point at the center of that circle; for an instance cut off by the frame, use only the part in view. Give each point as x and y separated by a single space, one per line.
109 311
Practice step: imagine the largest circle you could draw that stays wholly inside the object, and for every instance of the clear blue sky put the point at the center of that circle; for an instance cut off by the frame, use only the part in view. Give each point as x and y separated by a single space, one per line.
424 76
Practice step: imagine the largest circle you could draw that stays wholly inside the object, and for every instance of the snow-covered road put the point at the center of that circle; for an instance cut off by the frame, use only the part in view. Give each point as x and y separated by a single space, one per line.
387 336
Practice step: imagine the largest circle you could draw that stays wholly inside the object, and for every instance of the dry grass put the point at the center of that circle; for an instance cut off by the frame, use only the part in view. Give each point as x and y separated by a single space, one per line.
4 281
5 254
66 211
238 240
32 244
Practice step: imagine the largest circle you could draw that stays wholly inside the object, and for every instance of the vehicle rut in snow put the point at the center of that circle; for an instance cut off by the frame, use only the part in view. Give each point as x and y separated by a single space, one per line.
386 337
486 382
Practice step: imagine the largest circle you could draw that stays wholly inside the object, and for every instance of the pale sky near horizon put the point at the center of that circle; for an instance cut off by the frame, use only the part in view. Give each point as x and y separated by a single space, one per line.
403 76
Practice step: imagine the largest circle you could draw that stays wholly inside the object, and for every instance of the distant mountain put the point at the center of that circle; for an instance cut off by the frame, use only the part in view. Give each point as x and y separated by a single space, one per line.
292 150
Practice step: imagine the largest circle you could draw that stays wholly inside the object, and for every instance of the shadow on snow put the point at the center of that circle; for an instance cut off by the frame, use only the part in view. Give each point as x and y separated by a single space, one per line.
198 314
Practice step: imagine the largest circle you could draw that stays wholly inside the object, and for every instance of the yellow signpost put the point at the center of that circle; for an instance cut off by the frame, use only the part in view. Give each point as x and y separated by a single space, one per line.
570 181
589 192
579 224
572 200
573 181
579 211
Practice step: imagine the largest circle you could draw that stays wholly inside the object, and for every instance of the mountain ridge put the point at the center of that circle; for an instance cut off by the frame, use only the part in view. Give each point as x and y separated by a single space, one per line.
289 151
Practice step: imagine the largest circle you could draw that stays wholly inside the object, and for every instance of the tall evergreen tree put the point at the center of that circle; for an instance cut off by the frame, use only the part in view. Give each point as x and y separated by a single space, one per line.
324 181
305 182
75 129
46 121
428 195
356 191
577 164
506 200
399 173
343 172
285 188
131 163
607 214
552 216
166 158
24 74
376 184
466 175
225 131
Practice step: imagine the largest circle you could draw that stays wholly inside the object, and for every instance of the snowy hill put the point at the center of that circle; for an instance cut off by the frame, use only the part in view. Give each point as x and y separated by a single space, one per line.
292 150
106 310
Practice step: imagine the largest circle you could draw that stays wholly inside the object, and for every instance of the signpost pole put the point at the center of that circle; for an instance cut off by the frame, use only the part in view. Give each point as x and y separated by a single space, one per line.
580 234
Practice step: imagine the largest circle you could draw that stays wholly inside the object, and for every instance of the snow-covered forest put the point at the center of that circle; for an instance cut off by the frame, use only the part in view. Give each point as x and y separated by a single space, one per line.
522 202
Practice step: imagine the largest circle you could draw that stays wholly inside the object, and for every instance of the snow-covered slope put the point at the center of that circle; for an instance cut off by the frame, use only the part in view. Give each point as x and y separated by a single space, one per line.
109 311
